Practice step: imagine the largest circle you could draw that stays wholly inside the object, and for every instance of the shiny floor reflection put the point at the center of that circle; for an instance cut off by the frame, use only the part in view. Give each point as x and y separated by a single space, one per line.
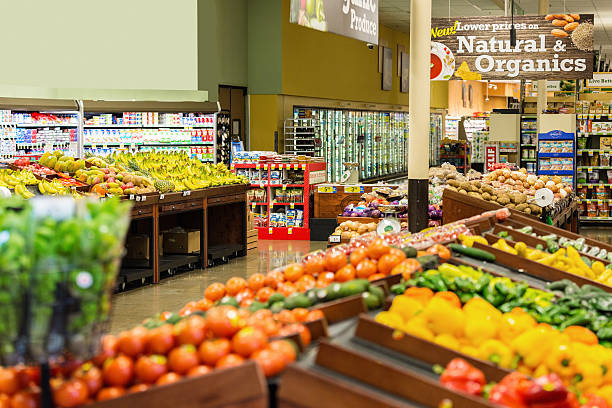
133 306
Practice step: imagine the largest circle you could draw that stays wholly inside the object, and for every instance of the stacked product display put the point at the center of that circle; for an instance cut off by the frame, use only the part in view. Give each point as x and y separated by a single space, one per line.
529 139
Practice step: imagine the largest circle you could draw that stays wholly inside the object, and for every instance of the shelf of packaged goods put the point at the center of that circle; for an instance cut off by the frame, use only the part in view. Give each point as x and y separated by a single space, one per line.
529 160
286 233
596 219
452 156
529 145
274 203
148 144
589 168
593 185
286 185
593 116
587 134
508 150
261 166
594 151
567 154
255 204
594 200
37 125
556 172
115 126
528 131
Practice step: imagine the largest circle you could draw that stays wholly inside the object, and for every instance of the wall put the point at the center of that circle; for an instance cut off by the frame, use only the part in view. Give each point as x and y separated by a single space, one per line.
264 46
111 45
265 112
455 103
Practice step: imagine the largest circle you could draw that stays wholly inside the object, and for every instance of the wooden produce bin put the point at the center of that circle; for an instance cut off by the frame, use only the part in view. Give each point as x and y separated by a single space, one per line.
459 206
331 199
243 386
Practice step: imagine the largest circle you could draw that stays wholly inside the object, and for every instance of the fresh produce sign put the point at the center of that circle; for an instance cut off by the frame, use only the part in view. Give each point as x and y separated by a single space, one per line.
476 48
352 18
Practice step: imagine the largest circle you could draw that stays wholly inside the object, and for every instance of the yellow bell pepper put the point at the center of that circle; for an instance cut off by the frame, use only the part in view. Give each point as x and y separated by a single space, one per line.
469 350
443 318
598 268
530 345
561 360
390 319
605 276
513 324
496 352
501 244
605 392
521 248
588 374
480 328
523 369
541 371
478 306
406 307
447 340
417 326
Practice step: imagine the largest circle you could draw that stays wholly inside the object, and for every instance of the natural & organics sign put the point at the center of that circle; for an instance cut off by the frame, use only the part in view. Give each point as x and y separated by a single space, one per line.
474 48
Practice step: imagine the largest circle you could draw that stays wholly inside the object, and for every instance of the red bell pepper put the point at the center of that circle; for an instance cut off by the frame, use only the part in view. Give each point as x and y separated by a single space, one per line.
462 376
544 390
507 396
594 401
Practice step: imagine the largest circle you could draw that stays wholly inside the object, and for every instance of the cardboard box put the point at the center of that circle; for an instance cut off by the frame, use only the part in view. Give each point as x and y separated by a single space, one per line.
182 242
137 247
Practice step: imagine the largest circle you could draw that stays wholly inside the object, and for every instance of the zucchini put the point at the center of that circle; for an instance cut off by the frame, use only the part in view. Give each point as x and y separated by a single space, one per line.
473 252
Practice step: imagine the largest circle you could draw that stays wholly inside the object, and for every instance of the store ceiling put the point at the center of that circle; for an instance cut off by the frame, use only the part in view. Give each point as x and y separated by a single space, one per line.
396 13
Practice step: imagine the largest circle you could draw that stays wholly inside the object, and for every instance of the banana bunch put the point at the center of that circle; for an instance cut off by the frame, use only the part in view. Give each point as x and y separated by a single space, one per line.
10 178
21 190
52 188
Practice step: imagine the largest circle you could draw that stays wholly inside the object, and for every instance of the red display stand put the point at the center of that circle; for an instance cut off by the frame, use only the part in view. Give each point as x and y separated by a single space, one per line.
314 173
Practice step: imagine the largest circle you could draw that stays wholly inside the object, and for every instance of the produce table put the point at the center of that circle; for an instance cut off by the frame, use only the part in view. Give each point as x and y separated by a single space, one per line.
330 199
458 206
219 213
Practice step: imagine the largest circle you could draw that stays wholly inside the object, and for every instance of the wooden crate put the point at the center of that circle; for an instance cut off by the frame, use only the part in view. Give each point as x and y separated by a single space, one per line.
329 205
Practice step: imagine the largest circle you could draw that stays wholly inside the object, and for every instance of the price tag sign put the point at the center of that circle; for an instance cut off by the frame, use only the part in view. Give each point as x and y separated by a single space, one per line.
353 189
121 146
590 169
93 145
272 203
590 153
144 198
272 166
257 166
131 196
292 206
232 167
326 189
270 231
597 116
162 196
186 193
590 186
290 231
599 201
303 167
284 186
104 146
295 166
265 167
334 239
580 116
253 205
133 146
138 198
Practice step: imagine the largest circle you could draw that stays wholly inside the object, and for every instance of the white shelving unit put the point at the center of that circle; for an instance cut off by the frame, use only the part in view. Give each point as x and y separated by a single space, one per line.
302 136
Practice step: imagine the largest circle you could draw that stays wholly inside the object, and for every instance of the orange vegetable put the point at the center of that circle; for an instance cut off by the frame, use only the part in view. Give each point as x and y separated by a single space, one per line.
407 267
581 335
440 250
451 297
423 295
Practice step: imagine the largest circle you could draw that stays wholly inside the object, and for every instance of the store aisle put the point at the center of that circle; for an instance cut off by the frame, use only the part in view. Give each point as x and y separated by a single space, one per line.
131 307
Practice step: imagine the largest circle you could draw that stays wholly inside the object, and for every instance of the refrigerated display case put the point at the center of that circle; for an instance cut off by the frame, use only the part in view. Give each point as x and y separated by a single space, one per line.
378 141
436 134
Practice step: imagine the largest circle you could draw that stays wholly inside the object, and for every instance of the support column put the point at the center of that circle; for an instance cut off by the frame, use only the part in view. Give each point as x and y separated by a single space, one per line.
542 100
419 99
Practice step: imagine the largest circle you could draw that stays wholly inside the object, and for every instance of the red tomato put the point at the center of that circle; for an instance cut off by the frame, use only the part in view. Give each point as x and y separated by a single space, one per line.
5 401
183 358
271 362
224 321
212 351
9 382
287 348
248 340
91 376
28 376
118 371
149 368
297 328
109 349
191 331
231 360
198 371
138 388
132 343
25 399
168 378
110 393
71 394
161 340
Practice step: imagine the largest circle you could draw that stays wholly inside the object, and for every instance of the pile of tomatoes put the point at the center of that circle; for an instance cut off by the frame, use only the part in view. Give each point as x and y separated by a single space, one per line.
140 358
317 270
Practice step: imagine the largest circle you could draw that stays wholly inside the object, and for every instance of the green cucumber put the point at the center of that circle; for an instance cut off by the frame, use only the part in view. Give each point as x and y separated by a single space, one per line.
473 252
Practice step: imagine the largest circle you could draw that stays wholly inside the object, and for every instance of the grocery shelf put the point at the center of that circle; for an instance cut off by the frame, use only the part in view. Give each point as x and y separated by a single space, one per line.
589 168
252 203
594 200
529 160
508 150
542 154
596 219
167 262
555 172
115 126
529 145
594 184
587 134
528 131
149 144
594 150
286 185
276 203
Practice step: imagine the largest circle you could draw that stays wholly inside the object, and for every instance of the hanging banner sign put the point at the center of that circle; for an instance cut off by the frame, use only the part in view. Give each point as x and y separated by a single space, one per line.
491 157
351 18
551 86
600 80
547 47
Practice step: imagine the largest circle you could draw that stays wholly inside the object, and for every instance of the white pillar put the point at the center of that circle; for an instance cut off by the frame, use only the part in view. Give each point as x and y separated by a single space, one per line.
418 146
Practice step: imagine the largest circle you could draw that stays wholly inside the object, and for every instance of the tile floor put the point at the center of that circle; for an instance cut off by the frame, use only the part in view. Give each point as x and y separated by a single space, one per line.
133 306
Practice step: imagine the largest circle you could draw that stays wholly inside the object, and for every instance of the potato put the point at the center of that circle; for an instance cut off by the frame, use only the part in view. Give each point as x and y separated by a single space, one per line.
503 199
477 184
474 194
363 228
537 210
452 188
486 196
454 183
372 226
462 191
527 210
510 205
521 207
466 186
501 179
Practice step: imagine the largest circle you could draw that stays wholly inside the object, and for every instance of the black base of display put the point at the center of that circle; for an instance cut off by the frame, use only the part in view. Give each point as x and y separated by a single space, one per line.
322 228
418 203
